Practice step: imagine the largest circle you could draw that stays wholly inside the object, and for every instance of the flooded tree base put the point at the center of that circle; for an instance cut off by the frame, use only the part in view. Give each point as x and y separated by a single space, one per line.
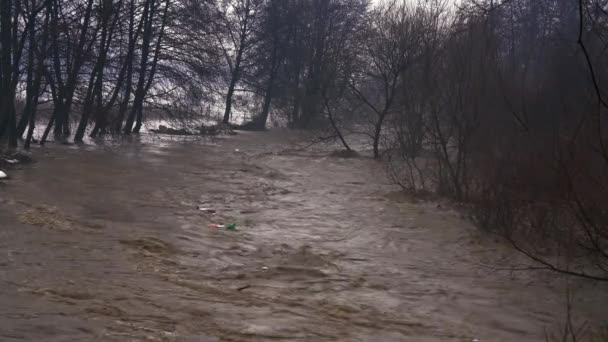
109 244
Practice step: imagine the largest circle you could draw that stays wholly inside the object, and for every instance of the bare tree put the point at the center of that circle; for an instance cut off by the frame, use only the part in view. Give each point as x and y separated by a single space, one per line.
146 75
393 42
108 17
74 52
238 21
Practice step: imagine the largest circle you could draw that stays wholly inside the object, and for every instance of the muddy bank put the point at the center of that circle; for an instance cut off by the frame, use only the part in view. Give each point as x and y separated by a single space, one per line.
107 244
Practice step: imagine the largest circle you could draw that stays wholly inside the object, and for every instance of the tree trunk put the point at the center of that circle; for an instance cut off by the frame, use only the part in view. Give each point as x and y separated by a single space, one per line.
66 92
139 118
100 110
86 109
236 73
152 67
148 16
128 69
233 81
228 110
31 92
8 125
31 111
47 130
7 107
124 104
40 69
12 126
96 81
295 111
335 127
377 134
263 118
260 121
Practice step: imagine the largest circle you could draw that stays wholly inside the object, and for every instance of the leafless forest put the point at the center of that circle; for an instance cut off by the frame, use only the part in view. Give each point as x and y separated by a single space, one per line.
500 106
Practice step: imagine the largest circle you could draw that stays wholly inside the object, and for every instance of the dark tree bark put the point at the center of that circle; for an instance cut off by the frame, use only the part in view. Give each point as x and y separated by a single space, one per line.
236 68
30 111
9 12
126 72
148 16
65 90
153 66
95 87
275 63
239 28
31 91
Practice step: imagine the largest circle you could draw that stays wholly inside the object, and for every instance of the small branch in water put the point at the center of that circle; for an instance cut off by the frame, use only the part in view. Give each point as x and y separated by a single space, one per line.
243 287
319 140
333 124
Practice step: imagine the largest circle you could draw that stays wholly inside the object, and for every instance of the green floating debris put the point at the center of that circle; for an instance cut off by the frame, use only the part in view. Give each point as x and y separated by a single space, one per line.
231 226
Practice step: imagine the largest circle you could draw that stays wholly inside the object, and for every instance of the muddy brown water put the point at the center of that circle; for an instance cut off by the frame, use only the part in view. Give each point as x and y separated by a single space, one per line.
106 244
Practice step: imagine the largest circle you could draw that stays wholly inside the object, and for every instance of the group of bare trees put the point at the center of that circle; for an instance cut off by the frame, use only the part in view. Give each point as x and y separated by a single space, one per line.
84 61
97 66
502 108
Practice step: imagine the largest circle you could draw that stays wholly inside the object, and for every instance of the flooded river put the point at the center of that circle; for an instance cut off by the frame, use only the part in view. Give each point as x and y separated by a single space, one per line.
105 243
